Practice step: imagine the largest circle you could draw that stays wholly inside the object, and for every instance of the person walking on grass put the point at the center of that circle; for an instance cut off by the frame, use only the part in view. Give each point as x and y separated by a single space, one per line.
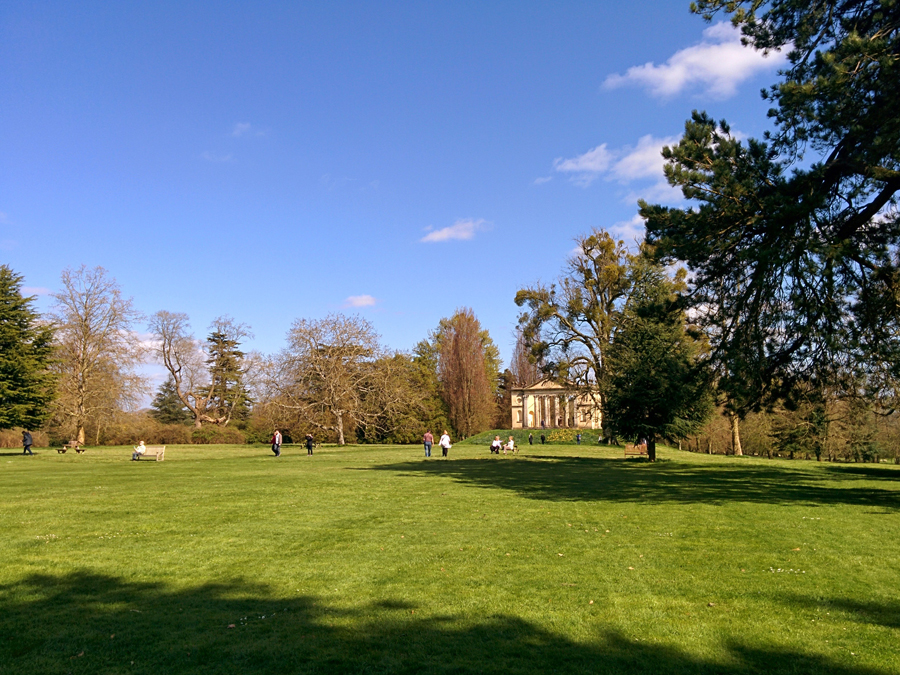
27 442
428 440
445 443
276 443
543 439
530 439
310 442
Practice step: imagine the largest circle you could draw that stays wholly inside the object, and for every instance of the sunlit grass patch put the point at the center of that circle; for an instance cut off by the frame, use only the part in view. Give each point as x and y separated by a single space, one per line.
374 559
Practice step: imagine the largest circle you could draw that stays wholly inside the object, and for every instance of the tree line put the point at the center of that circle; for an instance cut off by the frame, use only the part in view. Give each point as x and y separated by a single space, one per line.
74 374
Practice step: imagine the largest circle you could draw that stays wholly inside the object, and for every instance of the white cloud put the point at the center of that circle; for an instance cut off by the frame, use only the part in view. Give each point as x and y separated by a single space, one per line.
360 301
644 160
35 290
461 229
629 230
241 128
625 164
542 179
585 168
717 65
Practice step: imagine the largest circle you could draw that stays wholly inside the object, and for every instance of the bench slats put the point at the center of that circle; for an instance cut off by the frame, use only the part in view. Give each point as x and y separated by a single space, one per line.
157 451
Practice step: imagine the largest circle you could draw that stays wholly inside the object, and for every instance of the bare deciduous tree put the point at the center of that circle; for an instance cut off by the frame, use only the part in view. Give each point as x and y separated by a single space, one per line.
96 350
189 363
328 372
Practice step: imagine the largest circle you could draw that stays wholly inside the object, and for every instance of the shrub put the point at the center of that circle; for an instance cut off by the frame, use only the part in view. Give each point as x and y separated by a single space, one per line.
12 438
212 435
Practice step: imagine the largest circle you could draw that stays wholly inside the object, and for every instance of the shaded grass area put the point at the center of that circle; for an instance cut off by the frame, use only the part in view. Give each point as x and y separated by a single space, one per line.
554 477
375 560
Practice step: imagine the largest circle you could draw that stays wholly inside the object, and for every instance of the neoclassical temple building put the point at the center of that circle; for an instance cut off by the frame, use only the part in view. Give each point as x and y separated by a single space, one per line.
550 405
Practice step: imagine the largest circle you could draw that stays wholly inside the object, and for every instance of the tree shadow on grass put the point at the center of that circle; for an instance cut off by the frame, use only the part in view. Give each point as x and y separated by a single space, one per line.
91 623
885 614
864 472
597 479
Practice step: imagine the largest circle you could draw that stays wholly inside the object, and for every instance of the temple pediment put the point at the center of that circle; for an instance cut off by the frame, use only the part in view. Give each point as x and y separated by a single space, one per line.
547 404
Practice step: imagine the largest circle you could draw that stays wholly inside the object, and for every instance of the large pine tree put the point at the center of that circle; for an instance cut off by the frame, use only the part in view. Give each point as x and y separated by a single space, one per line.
26 385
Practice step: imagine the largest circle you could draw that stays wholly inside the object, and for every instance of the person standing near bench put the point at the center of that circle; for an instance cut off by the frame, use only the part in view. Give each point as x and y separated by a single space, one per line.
27 442
276 443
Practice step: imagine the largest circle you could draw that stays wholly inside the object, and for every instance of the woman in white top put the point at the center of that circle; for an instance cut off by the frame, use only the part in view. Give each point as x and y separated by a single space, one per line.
511 446
445 443
139 450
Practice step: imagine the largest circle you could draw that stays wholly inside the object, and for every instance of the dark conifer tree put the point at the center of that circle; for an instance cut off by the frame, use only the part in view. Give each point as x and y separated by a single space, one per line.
167 408
26 385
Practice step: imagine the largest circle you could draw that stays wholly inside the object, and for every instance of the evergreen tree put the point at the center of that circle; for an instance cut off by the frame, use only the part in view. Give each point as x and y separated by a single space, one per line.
228 397
26 385
656 387
167 408
794 259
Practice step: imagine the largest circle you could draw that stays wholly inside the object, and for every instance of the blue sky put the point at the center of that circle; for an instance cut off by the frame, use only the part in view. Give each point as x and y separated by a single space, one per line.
274 161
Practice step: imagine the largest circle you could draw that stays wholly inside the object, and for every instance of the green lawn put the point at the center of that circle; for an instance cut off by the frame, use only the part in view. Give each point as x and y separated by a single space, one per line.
223 559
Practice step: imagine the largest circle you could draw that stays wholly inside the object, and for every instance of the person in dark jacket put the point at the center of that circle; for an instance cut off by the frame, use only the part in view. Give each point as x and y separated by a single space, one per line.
27 442
310 442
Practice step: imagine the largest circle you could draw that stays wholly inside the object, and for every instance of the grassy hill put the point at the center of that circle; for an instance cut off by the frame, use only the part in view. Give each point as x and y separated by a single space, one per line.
223 559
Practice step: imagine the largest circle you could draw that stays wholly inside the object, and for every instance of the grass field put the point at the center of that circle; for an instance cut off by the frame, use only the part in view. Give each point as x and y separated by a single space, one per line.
223 559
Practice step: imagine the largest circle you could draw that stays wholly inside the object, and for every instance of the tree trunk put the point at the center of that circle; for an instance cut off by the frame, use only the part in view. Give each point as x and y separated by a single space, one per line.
340 427
709 445
197 422
651 449
735 435
79 433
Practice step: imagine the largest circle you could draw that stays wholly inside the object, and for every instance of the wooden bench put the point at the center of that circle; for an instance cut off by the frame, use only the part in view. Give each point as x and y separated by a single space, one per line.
639 450
157 451
71 445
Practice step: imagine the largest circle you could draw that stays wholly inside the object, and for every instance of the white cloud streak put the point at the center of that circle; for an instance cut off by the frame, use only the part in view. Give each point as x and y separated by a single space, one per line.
716 66
624 165
241 128
460 230
35 290
360 301
629 231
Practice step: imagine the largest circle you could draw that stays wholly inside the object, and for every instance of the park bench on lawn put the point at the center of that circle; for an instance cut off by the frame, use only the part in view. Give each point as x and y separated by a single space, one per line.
71 445
157 451
640 450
